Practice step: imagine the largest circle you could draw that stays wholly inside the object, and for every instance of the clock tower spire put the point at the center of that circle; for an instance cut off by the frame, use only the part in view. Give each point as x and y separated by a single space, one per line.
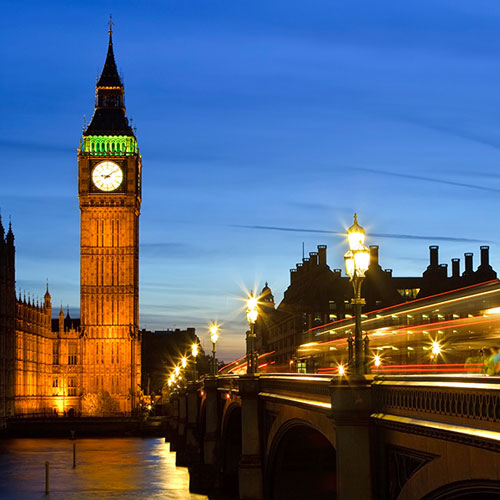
109 191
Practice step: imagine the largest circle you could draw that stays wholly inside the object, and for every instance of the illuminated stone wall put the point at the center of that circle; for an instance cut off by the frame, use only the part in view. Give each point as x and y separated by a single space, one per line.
92 367
48 365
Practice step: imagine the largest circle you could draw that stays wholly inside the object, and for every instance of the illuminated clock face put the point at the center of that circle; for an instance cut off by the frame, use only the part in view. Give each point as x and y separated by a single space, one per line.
107 176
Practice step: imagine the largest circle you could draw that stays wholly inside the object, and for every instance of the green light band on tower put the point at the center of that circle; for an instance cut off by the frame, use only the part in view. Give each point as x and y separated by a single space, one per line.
106 145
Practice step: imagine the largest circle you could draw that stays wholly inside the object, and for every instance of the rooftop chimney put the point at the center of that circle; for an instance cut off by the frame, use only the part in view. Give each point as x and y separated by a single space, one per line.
455 268
433 249
293 276
322 255
444 269
485 258
468 264
313 259
300 269
305 264
373 255
337 273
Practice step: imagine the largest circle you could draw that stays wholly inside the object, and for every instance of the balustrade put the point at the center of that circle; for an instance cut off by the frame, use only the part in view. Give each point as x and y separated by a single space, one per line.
455 400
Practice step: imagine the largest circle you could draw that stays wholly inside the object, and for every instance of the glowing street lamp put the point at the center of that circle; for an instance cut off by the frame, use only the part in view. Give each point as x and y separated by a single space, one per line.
435 351
184 362
252 315
357 260
214 336
194 353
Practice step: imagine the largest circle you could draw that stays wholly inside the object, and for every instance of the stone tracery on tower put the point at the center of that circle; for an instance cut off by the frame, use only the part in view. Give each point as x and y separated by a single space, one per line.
54 366
109 173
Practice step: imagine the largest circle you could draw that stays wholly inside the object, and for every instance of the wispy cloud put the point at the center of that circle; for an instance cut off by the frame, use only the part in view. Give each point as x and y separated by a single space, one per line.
36 147
427 179
170 250
316 207
375 235
449 130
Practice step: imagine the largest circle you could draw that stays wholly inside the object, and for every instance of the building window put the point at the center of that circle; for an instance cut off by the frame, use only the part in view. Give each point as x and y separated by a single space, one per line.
332 305
301 366
55 383
72 358
72 386
408 293
55 353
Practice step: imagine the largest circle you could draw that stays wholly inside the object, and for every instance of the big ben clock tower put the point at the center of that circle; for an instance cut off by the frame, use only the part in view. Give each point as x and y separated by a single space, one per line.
109 190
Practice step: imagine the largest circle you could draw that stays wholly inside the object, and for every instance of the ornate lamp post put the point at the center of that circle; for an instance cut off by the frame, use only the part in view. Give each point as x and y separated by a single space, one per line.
252 314
184 363
214 336
357 259
194 353
178 374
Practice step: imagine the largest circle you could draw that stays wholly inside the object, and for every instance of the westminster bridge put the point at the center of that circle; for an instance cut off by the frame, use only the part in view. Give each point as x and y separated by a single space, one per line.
289 436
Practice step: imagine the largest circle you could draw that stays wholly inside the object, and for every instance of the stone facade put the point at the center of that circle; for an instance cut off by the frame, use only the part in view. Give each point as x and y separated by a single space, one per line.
92 366
318 295
109 190
40 359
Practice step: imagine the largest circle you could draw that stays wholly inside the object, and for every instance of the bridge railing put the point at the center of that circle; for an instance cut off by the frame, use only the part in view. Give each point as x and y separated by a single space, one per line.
228 383
460 400
308 390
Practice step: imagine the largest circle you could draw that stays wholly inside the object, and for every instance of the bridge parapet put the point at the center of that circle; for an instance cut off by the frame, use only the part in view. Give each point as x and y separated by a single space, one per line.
300 390
457 400
228 383
467 408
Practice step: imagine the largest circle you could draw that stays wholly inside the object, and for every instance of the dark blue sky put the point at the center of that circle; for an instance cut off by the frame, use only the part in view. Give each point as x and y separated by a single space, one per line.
265 113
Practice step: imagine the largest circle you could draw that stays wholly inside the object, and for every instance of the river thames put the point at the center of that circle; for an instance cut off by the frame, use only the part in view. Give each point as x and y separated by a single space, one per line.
107 468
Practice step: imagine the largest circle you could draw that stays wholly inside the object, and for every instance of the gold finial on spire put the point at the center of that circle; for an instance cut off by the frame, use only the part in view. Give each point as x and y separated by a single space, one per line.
110 24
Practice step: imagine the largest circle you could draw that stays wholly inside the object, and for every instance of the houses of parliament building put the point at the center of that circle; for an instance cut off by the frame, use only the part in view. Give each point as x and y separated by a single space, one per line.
62 366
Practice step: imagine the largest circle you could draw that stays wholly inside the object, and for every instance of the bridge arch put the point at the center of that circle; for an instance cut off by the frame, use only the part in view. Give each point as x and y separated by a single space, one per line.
301 464
467 490
442 478
230 451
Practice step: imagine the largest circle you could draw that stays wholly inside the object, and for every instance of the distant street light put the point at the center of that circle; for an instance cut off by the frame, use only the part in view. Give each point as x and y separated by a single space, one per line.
214 336
357 260
194 353
184 362
252 315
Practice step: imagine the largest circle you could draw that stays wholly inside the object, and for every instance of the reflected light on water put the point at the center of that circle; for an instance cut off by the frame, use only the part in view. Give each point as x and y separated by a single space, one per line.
125 468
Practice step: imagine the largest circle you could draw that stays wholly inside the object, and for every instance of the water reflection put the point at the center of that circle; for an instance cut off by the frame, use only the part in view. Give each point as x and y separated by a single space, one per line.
125 468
